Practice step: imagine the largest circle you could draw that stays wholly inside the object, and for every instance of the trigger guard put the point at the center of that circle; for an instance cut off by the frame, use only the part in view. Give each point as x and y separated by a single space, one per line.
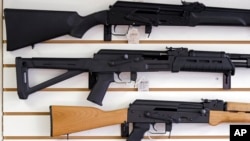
155 131
114 27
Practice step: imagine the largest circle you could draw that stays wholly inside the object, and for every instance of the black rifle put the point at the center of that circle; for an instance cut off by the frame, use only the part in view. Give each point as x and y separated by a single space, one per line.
28 27
143 113
106 63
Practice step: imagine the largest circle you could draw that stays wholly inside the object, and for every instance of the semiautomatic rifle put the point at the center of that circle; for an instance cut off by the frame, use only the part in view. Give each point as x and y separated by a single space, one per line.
106 64
143 113
28 27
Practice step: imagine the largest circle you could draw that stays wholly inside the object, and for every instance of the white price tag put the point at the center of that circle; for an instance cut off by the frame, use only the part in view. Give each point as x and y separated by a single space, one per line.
143 86
133 36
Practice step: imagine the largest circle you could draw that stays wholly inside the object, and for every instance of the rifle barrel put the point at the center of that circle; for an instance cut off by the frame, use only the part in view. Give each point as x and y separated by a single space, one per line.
240 60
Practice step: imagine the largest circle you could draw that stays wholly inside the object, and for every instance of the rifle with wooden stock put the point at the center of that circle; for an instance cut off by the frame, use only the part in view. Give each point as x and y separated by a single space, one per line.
143 113
27 27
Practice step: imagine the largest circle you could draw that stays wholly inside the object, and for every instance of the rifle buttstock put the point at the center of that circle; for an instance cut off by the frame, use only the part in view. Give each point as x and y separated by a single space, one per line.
217 117
38 26
69 119
35 26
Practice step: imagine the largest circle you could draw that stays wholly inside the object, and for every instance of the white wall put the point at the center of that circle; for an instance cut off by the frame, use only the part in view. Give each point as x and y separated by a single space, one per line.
29 118
1 66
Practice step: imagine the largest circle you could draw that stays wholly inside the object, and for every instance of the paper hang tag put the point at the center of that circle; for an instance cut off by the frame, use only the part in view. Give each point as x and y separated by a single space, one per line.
133 36
143 85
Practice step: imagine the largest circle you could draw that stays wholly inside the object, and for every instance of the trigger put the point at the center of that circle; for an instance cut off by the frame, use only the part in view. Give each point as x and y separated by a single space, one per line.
154 127
169 128
133 76
148 30
118 75
33 46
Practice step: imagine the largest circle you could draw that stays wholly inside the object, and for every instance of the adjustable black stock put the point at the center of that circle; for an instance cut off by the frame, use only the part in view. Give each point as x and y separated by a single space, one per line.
35 26
107 63
143 113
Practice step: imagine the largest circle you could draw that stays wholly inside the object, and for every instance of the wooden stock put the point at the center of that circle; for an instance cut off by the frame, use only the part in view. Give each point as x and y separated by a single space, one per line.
69 119
235 112
217 117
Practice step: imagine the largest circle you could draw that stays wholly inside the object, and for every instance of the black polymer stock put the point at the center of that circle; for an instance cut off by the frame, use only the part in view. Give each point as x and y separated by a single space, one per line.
28 27
106 63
